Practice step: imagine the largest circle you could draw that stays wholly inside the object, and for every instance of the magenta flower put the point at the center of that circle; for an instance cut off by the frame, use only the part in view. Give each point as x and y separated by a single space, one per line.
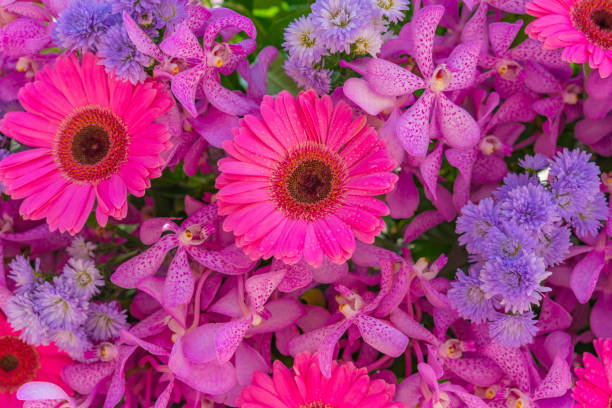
345 387
594 386
193 238
457 126
300 181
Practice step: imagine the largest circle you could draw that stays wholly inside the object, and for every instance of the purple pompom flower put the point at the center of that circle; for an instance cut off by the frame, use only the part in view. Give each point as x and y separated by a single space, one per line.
513 330
532 207
84 277
339 21
119 54
515 282
475 222
105 321
469 300
58 305
301 42
83 24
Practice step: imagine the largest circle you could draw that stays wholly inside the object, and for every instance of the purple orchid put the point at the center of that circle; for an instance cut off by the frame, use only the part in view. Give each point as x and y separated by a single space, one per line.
454 124
191 237
357 310
210 60
201 66
247 303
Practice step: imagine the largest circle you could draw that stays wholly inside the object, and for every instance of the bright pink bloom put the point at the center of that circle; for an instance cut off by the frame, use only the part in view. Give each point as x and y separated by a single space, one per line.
583 28
306 387
21 363
300 181
594 386
94 138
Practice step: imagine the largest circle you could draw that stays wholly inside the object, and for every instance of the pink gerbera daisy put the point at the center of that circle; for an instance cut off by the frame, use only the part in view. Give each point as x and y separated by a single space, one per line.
306 387
300 181
583 28
21 363
594 386
94 138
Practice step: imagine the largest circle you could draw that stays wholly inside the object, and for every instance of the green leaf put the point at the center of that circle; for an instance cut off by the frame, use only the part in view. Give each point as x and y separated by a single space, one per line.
278 80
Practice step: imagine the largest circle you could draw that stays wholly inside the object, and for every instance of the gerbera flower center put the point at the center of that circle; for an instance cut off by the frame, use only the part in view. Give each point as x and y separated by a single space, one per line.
91 144
594 19
18 363
309 182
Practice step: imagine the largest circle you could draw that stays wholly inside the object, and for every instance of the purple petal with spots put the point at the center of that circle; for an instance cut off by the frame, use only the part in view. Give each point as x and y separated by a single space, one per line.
184 85
260 287
389 79
421 223
23 37
329 272
511 6
430 168
231 102
142 41
328 344
501 35
411 327
479 371
182 44
179 284
235 22
462 62
229 336
383 337
129 273
511 361
458 127
424 24
296 277
556 383
553 317
230 260
83 378
540 80
413 125
116 388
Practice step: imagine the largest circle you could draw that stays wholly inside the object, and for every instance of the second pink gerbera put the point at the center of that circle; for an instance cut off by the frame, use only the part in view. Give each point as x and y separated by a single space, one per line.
347 387
300 181
94 140
582 28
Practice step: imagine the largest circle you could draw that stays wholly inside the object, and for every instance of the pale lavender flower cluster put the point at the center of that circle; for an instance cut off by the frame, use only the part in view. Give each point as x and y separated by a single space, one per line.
61 310
514 236
354 27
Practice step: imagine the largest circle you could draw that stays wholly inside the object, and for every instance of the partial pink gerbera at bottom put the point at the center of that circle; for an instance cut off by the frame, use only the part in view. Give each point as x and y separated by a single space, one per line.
582 28
94 139
306 387
21 363
301 180
594 386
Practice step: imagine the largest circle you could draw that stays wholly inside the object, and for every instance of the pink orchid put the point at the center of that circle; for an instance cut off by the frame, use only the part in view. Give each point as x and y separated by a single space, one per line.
191 237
